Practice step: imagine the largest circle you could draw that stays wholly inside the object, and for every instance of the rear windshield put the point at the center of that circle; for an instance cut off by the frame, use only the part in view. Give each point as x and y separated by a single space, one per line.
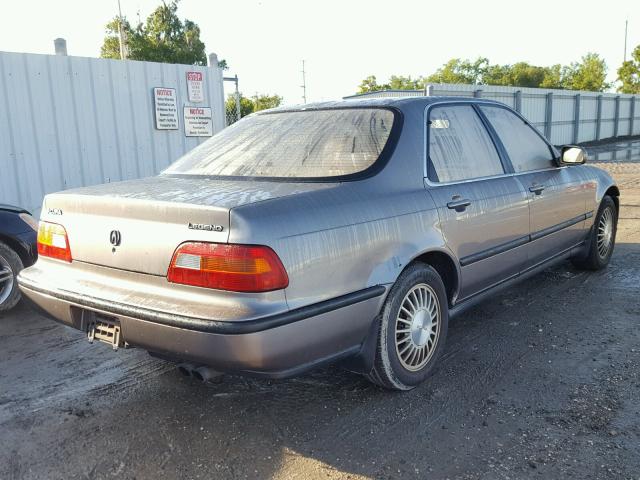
300 144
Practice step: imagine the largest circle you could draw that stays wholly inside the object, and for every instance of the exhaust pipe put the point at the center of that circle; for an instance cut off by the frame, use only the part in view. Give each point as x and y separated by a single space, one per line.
186 369
207 374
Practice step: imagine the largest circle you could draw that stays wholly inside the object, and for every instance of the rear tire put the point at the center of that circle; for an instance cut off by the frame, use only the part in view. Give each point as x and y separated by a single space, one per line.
602 237
10 266
413 328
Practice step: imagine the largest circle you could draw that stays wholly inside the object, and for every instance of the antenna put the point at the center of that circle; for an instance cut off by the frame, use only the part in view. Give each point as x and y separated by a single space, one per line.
304 84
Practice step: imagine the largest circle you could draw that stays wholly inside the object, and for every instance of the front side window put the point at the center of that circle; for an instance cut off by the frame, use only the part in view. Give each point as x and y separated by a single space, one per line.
460 147
526 149
293 144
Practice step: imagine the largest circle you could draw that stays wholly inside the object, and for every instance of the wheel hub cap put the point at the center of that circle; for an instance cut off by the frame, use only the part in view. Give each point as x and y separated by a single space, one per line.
421 327
417 327
605 233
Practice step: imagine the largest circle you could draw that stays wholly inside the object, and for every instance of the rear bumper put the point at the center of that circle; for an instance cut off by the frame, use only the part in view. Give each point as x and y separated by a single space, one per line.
277 345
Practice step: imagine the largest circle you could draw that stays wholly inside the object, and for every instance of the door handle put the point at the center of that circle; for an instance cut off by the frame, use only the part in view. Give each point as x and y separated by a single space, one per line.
459 205
537 189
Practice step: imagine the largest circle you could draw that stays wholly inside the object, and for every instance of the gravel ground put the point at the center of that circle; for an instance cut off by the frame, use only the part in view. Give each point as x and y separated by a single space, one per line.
541 382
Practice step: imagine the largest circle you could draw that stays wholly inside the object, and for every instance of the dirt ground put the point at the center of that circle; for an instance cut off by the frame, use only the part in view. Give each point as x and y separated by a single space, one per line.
541 382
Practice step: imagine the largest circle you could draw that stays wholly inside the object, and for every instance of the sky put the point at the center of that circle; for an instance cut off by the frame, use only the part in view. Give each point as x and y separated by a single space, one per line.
342 42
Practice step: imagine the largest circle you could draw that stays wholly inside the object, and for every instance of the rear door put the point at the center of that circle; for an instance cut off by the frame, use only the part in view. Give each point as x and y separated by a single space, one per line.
483 213
557 197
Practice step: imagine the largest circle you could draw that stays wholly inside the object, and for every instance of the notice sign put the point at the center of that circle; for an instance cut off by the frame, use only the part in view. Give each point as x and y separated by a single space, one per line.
166 108
195 89
197 122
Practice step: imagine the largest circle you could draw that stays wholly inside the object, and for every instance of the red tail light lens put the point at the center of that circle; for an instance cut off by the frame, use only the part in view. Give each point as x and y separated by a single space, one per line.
53 241
238 268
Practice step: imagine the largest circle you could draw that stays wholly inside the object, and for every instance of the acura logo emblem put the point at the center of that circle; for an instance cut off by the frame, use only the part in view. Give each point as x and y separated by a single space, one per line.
115 238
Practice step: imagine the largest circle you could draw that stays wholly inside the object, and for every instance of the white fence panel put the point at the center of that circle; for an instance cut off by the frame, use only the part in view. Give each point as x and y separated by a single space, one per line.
534 109
625 114
564 116
74 121
562 119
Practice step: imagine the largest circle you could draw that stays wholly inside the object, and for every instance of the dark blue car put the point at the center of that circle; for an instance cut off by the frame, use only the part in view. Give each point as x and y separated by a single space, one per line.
18 249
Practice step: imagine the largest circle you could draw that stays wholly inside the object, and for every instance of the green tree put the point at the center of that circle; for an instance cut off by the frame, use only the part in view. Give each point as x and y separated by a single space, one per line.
263 102
249 105
460 71
396 82
370 84
497 75
163 38
588 74
523 74
629 73
554 77
400 82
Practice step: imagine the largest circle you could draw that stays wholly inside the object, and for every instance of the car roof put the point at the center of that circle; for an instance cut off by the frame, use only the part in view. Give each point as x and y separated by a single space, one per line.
399 102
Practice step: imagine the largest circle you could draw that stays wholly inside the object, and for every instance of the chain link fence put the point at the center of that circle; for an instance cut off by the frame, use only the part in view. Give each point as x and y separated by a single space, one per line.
233 112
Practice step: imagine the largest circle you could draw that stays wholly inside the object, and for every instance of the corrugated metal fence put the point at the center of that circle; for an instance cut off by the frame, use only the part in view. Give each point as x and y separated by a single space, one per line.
563 116
74 121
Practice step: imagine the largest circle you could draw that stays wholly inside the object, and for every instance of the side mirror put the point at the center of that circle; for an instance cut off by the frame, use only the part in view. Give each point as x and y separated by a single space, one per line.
572 155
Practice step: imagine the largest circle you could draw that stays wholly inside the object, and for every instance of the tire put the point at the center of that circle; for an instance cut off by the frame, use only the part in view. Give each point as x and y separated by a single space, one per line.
401 332
10 264
601 239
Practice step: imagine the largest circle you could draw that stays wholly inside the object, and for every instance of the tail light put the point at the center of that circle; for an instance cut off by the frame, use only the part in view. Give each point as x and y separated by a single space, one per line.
238 268
53 241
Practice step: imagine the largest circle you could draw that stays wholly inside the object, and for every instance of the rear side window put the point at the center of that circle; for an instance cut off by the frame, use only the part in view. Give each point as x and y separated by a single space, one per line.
526 149
460 147
293 144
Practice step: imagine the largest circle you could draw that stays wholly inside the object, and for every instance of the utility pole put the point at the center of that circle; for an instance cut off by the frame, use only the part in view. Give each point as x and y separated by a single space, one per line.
304 84
626 26
123 48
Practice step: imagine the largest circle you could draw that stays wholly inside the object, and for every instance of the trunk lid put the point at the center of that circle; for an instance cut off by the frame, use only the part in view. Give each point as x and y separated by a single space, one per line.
152 216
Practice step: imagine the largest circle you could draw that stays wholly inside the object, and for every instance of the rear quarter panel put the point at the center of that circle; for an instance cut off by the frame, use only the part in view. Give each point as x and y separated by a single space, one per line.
18 236
342 239
355 234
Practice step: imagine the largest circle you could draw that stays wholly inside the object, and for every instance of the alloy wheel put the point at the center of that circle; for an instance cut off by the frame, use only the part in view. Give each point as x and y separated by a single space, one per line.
605 233
417 327
6 279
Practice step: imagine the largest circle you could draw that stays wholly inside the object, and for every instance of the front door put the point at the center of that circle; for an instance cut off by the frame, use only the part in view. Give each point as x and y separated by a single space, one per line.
557 209
557 196
484 215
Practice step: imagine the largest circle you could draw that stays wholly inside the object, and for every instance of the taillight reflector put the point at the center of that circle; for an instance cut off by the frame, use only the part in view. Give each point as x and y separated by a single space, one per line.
53 241
238 268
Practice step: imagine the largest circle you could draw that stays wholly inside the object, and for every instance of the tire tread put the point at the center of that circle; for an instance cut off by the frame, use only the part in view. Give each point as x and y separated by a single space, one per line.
592 260
382 373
